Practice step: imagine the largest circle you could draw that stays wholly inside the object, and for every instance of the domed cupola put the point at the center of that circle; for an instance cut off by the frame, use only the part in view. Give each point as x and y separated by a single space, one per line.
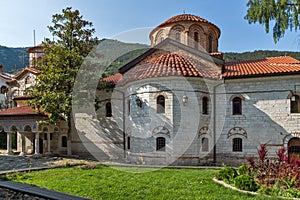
190 30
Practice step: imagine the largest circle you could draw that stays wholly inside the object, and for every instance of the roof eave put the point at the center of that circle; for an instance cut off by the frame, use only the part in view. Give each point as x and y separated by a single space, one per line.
262 75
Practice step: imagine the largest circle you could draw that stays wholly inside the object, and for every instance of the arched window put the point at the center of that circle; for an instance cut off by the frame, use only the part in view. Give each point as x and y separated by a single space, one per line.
27 80
175 32
159 37
108 109
205 105
237 106
196 40
295 104
64 142
160 104
56 129
210 43
27 128
177 36
237 144
294 148
160 144
204 144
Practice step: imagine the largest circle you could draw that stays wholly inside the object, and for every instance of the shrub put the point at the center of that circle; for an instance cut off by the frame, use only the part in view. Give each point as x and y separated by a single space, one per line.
243 169
268 191
280 177
227 174
245 182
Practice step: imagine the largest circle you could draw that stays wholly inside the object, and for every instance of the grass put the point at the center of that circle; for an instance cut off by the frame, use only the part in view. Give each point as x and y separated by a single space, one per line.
109 183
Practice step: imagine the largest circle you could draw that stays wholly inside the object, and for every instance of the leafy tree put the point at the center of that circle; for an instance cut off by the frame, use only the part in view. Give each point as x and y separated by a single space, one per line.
72 41
284 13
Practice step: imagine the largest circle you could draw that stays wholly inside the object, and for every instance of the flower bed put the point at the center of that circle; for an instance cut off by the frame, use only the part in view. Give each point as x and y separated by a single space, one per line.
277 177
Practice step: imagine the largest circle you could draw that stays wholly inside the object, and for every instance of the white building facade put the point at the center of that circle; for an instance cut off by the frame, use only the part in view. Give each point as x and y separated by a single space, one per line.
183 104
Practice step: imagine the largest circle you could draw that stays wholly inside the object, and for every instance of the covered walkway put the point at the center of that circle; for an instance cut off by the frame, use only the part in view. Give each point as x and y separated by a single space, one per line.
25 133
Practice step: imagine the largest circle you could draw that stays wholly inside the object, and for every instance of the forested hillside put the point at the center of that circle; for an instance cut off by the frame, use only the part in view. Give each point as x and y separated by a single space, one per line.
133 51
229 56
13 58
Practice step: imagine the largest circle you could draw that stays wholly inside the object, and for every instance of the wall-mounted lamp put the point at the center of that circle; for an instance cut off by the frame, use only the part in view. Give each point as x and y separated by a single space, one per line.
185 100
139 102
293 98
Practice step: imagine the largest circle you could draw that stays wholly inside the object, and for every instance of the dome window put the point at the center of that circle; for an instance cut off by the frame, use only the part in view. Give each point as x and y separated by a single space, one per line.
196 40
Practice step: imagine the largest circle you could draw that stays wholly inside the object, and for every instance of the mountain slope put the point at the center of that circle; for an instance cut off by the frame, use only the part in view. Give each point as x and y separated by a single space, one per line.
16 58
13 58
231 56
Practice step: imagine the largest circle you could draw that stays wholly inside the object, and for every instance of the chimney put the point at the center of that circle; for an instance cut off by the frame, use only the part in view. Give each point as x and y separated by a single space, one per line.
1 68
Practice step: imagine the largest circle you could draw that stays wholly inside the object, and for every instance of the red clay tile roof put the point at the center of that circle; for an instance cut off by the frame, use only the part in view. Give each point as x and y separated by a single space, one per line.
170 64
184 17
25 70
6 77
266 66
22 110
114 78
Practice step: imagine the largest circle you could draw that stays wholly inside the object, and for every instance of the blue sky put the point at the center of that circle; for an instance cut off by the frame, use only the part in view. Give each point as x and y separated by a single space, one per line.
135 18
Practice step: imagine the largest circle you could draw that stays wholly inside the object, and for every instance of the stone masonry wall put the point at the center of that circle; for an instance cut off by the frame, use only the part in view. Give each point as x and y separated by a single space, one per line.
266 117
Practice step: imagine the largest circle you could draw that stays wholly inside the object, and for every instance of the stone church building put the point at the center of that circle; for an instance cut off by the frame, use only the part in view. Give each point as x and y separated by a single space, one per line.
177 103
183 104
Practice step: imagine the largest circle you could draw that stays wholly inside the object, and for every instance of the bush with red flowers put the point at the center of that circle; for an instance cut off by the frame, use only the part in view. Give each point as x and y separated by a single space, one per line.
279 177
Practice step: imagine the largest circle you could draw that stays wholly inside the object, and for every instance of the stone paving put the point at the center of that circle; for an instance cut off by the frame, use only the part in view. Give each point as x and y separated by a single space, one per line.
14 162
8 163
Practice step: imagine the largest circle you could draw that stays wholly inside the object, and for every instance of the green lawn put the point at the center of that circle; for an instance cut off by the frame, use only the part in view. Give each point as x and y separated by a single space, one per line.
109 183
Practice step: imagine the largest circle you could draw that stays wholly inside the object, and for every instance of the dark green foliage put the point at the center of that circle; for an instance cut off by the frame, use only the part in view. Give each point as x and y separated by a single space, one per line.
230 56
245 182
284 14
227 174
13 58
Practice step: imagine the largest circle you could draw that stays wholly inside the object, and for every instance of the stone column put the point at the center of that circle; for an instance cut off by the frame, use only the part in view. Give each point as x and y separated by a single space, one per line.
23 144
48 144
9 143
37 146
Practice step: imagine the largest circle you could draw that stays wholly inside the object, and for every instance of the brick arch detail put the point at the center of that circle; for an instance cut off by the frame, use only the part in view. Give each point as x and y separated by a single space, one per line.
237 131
